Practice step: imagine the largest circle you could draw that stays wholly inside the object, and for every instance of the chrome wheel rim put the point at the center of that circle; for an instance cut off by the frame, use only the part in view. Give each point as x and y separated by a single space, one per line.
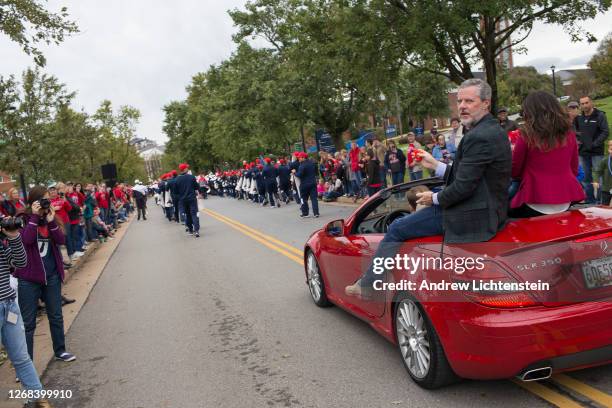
314 278
413 339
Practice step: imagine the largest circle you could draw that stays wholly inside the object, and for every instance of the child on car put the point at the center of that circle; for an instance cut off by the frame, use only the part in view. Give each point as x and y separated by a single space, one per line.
411 196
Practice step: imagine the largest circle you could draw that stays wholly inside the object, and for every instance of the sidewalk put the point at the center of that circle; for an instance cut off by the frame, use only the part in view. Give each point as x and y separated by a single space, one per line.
79 281
345 201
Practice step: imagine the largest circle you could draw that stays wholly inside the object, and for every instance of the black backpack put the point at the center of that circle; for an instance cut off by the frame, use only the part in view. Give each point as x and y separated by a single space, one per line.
75 210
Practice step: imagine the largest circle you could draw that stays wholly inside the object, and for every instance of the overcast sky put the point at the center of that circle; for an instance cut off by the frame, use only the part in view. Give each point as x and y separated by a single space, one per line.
144 53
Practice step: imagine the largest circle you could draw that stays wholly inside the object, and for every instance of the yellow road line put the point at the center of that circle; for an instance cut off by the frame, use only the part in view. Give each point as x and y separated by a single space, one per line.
293 249
273 247
535 388
584 389
547 394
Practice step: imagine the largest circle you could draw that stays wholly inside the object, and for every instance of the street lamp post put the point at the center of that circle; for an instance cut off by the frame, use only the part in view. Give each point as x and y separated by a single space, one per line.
554 81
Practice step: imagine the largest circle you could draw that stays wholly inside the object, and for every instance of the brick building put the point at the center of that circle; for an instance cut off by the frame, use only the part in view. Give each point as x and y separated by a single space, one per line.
6 182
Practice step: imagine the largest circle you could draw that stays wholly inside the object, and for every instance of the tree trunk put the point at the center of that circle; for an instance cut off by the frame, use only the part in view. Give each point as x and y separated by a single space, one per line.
338 140
491 69
489 62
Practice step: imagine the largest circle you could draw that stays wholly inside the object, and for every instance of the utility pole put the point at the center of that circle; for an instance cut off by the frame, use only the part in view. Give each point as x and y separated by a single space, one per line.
554 81
303 140
399 112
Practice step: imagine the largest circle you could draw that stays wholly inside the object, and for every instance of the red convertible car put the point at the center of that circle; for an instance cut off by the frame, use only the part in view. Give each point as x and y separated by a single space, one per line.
471 332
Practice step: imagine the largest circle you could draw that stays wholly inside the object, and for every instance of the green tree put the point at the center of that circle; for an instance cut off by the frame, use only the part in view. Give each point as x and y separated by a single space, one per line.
116 131
583 83
74 136
601 64
233 111
516 83
331 69
28 23
460 35
422 94
28 143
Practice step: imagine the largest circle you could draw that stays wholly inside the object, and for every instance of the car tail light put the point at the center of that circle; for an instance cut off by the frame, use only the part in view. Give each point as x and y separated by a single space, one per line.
502 300
507 299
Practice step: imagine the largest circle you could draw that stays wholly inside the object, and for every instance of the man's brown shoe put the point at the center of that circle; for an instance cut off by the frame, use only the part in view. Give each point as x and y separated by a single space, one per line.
38 404
358 291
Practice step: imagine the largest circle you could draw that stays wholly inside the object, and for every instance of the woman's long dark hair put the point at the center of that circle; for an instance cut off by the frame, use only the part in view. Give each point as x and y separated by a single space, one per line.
35 194
546 122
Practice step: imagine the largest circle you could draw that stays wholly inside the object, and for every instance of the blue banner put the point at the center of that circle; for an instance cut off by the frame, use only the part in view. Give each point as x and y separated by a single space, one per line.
325 142
361 140
391 131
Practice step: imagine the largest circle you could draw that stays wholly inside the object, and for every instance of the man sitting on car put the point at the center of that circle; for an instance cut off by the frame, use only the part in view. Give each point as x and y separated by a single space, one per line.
474 203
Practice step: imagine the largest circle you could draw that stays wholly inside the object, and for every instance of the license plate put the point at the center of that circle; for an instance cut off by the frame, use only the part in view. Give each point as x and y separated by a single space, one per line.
597 272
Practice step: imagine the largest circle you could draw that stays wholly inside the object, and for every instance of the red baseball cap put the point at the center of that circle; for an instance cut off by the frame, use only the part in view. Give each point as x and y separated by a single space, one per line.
183 166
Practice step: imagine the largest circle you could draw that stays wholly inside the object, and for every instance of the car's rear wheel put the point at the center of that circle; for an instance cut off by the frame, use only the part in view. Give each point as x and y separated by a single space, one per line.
315 282
420 347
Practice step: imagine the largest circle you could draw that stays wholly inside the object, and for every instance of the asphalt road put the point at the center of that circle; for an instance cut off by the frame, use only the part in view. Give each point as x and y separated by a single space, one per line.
224 321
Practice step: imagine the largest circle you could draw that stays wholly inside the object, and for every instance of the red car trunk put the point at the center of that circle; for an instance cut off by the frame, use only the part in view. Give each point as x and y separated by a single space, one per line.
574 256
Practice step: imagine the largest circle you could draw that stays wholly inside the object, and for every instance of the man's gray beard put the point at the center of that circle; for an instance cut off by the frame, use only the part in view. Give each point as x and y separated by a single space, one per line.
468 123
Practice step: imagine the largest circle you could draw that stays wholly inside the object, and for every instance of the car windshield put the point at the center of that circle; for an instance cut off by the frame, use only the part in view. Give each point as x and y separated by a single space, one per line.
372 218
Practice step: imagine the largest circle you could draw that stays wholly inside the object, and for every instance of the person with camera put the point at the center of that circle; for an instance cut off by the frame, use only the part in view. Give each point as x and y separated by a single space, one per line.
43 275
3 212
13 255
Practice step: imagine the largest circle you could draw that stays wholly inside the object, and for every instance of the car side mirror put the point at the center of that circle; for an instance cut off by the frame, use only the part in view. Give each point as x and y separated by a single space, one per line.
335 228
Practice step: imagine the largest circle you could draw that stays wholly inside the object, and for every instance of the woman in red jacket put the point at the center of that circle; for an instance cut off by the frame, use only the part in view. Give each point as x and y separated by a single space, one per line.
545 159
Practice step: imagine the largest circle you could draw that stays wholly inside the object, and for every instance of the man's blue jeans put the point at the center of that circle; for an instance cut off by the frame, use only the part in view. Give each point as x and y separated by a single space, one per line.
416 175
588 163
82 236
75 239
104 215
14 340
383 177
29 293
69 244
423 223
190 209
306 192
397 178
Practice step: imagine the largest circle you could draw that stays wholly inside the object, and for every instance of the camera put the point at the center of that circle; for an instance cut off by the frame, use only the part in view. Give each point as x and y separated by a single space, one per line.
45 203
11 223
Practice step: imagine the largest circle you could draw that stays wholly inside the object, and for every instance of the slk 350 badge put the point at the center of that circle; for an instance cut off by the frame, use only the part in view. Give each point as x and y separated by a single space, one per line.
539 264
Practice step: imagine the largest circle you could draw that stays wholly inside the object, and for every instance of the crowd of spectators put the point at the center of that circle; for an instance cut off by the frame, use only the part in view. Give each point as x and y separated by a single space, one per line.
35 230
361 171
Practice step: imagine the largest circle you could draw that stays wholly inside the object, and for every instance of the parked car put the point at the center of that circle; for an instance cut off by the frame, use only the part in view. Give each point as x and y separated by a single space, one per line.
442 336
